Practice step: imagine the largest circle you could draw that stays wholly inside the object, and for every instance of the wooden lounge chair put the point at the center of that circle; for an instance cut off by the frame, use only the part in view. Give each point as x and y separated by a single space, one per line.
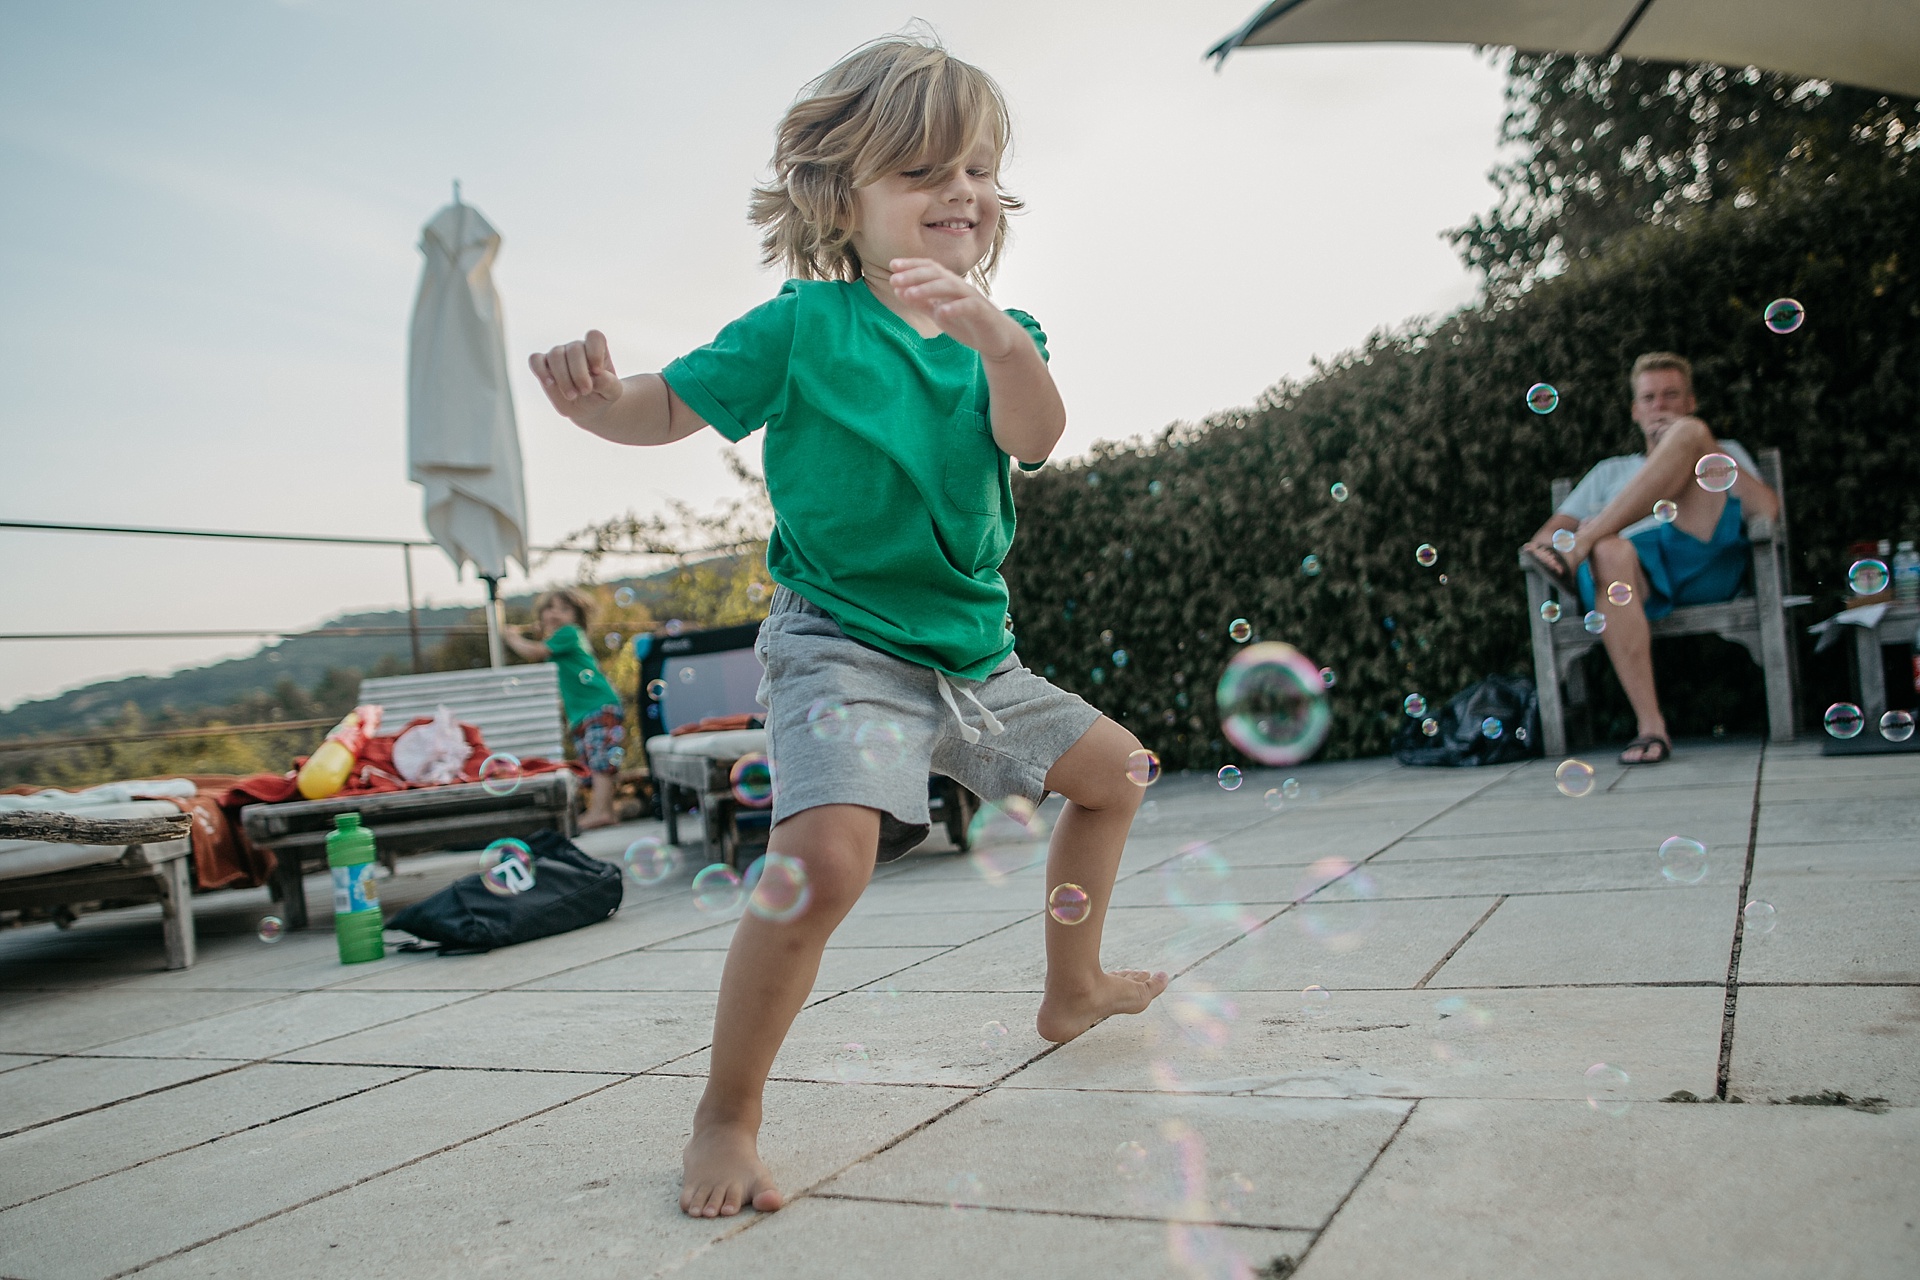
137 851
1757 622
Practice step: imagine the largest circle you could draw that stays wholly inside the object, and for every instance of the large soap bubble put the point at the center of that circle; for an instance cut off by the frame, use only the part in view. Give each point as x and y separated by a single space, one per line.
1273 703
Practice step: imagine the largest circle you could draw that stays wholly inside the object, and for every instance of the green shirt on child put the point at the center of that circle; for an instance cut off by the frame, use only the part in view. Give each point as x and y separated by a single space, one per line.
584 688
892 503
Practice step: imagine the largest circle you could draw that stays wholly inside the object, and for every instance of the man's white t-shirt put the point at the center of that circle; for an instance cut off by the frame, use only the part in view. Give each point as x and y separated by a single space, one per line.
1610 475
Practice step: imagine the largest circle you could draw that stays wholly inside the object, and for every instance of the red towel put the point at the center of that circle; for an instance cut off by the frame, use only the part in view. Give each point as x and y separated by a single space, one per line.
373 773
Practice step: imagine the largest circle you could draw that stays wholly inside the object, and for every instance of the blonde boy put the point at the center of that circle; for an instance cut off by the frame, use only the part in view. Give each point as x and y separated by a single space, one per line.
893 394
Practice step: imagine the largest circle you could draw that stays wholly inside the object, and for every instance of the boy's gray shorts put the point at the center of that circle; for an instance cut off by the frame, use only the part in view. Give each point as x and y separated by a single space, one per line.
848 724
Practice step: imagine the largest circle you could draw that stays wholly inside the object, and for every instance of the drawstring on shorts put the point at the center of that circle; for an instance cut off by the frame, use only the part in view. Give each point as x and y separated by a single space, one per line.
967 731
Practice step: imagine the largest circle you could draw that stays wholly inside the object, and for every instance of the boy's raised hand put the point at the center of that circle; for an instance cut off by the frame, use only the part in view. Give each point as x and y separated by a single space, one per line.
578 377
960 310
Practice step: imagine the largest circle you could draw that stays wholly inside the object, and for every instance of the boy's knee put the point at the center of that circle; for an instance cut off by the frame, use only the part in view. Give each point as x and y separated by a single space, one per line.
1614 555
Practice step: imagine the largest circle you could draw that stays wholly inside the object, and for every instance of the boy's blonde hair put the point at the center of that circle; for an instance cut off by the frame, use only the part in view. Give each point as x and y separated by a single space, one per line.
885 107
578 601
1660 360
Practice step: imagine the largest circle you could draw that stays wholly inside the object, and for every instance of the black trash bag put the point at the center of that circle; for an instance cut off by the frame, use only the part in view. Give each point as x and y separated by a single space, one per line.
1463 741
570 889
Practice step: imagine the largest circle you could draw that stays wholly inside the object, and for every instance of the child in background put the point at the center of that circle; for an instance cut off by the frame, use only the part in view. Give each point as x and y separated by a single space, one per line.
594 715
893 394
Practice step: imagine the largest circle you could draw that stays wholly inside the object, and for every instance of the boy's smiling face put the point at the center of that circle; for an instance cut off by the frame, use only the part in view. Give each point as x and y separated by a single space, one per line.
557 614
952 222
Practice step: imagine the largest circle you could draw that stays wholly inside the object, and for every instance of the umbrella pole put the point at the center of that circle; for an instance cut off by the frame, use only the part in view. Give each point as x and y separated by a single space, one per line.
493 623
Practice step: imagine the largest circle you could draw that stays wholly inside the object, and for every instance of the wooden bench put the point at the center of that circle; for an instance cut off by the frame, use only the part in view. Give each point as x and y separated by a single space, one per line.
1756 622
155 865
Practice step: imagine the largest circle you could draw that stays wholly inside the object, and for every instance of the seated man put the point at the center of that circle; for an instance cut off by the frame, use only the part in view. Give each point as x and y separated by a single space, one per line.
1694 552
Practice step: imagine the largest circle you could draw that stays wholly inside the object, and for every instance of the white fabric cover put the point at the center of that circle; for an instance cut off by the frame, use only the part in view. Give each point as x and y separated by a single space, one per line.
727 744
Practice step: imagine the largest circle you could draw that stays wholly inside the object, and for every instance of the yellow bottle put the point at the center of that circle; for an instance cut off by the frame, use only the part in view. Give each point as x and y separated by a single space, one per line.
326 770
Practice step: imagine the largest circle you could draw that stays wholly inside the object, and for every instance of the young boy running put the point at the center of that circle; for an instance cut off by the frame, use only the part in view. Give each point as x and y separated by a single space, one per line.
594 718
893 394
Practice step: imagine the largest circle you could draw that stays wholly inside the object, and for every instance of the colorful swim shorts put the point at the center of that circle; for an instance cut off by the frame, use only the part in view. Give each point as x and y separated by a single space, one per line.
599 739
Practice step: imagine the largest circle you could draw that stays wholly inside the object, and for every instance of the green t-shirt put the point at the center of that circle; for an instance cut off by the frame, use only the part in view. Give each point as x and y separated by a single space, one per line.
584 688
892 507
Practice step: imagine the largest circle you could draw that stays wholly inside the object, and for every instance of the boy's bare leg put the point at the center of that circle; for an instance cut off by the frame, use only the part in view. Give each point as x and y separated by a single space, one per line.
599 802
770 970
1628 639
1101 801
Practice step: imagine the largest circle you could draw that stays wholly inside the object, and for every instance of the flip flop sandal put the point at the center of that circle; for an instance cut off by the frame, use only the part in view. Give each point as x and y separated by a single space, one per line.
1652 750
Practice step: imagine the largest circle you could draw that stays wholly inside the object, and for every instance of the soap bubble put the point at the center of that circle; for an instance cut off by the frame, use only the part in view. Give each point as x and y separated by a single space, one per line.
853 1062
1430 726
1620 593
1759 916
776 888
1240 630
1290 788
1004 836
1327 678
1607 1089
1426 555
656 689
1867 577
1130 1160
688 675
751 780
1542 398
616 756
1233 1193
1783 315
1121 657
1492 727
1069 904
623 597
1150 812
1563 540
1335 903
507 868
1228 777
1340 491
1683 861
1273 799
882 743
649 862
1574 778
1205 1017
1106 638
1896 726
827 720
1666 511
1273 704
964 1192
1843 720
1595 622
1315 1000
1311 566
500 774
1716 472
1143 767
613 639
1154 487
272 928
587 676
1098 675
717 889
510 684
1550 610
675 626
1414 705
1196 881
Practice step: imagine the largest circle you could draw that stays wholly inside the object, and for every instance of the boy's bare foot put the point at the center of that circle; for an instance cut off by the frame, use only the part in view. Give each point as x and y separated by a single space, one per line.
1062 1017
721 1172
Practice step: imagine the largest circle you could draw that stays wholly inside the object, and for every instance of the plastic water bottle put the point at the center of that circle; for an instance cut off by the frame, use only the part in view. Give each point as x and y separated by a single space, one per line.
1906 574
326 770
357 924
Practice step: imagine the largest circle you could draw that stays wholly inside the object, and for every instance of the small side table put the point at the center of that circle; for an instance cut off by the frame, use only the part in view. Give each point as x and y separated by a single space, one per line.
1896 627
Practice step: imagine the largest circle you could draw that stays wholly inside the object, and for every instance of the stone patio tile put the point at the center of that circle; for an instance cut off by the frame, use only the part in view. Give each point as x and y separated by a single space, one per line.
1834 930
1629 821
1347 945
1669 934
14 1061
1862 1041
64 1022
841 969
1015 959
53 1156
611 1031
1398 876
1196 879
906 1037
61 1086
280 1026
827 1239
1056 1151
1802 762
924 928
591 1189
1846 818
1482 1188
528 961
902 895
146 1211
1514 1044
1843 863
1569 835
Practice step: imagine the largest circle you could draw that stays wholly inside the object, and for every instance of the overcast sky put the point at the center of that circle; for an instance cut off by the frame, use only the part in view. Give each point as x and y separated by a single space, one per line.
209 212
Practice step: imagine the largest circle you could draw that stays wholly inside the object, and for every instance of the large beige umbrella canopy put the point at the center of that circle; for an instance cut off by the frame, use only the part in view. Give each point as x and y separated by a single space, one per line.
1874 44
463 447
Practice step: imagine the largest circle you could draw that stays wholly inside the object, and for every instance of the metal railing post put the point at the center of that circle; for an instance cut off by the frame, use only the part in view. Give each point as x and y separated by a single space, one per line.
413 615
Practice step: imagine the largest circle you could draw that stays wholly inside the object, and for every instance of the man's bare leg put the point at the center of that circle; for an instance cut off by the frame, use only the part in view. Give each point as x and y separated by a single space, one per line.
1668 474
770 970
1628 640
1101 801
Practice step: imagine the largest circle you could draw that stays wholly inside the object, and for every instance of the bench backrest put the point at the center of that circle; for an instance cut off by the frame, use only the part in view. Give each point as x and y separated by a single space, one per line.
516 709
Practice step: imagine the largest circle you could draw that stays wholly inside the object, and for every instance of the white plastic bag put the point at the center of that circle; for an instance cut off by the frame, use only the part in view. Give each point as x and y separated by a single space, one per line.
432 752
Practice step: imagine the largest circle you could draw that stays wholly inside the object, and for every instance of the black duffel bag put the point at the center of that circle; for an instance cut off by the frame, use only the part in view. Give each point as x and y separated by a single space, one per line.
1462 740
569 890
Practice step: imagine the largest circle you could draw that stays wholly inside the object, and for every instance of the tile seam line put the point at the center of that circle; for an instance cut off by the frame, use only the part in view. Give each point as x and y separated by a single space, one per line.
1723 1071
1357 1184
114 1102
1465 938
357 1182
1082 1215
218 1137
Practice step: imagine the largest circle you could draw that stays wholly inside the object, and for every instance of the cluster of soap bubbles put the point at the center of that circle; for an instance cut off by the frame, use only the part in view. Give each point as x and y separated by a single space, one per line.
751 780
1574 778
506 868
500 774
1273 705
1683 861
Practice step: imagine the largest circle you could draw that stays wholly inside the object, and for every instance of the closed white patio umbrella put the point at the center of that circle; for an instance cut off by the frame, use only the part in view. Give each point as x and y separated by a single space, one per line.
1874 44
463 447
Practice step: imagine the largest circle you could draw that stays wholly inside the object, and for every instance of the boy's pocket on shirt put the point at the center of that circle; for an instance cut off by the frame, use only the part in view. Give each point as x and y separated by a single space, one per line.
972 477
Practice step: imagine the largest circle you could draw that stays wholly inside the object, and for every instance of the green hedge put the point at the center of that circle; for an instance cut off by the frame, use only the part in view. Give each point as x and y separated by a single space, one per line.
1165 543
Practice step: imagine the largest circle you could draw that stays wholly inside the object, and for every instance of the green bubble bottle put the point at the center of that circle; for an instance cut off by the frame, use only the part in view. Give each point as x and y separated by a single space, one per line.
356 900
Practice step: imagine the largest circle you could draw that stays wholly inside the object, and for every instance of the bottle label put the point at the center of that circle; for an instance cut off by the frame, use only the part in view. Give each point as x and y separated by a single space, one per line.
354 889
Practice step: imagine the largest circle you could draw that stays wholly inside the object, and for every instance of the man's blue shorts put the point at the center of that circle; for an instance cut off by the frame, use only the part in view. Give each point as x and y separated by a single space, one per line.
1681 569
